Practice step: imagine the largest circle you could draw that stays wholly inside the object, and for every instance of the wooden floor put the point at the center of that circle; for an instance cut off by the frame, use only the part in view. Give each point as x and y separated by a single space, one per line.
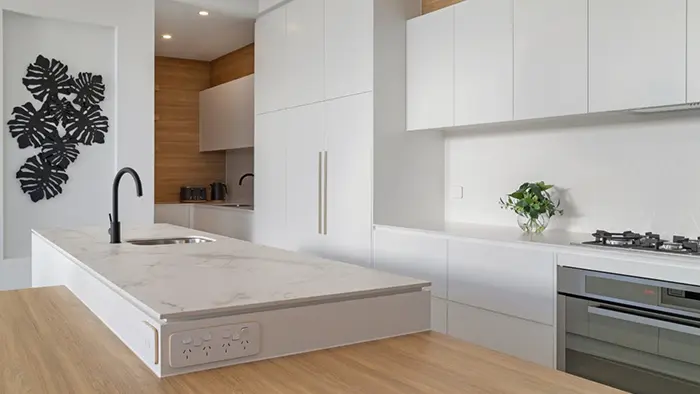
51 343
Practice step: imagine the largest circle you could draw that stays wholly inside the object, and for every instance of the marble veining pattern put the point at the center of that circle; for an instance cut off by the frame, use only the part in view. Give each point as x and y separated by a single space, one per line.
228 275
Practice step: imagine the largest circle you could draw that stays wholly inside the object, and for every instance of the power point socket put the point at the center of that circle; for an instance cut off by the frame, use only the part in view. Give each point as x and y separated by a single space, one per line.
212 344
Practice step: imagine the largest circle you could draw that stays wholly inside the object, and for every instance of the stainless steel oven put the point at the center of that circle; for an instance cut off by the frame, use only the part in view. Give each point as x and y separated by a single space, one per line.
635 334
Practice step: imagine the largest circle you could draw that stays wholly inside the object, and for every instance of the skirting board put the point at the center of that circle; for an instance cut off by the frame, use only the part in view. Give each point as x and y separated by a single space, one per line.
283 332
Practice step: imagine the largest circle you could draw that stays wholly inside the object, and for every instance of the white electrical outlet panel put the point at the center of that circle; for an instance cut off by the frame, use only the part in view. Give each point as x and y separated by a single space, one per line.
208 345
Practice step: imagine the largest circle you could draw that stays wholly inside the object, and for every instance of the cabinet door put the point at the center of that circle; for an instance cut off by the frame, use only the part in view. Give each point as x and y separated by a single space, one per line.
264 5
305 144
637 52
348 203
270 82
304 52
177 214
551 58
430 70
270 179
520 338
510 280
226 116
693 51
412 254
349 47
483 61
228 222
438 315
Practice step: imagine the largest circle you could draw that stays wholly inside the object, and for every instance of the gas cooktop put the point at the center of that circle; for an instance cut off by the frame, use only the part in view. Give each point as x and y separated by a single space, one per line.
650 242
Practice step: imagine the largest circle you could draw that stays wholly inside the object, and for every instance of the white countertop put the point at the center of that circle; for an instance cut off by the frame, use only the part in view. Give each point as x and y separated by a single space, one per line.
225 276
653 265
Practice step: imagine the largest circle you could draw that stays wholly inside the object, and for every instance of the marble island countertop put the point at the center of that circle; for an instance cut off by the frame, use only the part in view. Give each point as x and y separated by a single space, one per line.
227 276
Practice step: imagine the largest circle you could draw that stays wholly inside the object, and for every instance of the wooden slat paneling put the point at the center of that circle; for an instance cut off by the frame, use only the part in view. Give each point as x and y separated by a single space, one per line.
177 158
234 65
434 5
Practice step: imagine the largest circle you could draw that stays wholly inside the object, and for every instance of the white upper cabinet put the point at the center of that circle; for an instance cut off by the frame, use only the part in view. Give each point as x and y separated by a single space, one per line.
226 116
264 5
349 47
693 51
304 52
430 70
483 61
270 74
637 52
551 58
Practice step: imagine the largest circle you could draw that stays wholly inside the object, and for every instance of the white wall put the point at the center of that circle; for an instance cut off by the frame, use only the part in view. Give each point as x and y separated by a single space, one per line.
87 194
116 40
238 163
640 175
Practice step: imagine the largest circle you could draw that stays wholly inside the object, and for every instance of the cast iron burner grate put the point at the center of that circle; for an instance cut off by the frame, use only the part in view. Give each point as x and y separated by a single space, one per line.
647 241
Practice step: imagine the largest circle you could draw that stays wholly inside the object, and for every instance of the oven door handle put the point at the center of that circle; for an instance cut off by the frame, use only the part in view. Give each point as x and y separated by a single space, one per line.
647 321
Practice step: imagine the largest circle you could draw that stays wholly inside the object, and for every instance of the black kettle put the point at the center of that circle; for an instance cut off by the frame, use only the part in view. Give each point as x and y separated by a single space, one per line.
218 191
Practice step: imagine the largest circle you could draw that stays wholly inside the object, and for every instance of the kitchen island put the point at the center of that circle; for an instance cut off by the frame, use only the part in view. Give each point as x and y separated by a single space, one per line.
190 307
53 344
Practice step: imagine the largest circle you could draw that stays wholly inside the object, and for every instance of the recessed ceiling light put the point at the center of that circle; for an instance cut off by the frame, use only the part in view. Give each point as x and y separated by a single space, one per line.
203 13
166 36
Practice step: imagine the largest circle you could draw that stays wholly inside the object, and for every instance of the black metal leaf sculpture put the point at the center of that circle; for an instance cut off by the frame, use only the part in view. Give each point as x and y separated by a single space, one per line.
47 78
60 151
58 111
89 89
31 127
88 125
57 127
40 179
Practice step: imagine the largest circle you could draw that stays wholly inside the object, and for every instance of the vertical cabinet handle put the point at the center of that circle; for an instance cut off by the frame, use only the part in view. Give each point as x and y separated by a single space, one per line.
320 192
325 193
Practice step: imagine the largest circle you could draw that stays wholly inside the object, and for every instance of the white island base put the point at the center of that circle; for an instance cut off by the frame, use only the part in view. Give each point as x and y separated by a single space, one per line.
176 321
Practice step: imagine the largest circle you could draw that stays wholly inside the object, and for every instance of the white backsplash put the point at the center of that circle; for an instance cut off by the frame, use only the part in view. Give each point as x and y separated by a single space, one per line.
238 163
640 175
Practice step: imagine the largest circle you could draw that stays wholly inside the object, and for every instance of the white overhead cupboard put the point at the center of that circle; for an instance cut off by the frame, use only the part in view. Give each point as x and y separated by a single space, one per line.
226 116
512 60
331 158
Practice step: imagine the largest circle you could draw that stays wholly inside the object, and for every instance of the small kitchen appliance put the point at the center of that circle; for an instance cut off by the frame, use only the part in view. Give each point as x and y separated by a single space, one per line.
193 194
219 190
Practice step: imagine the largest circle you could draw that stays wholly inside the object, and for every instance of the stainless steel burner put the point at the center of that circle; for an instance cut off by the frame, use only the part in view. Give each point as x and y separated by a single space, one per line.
671 246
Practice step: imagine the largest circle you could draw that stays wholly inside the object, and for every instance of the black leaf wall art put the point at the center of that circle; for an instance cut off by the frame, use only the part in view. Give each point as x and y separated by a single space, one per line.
69 116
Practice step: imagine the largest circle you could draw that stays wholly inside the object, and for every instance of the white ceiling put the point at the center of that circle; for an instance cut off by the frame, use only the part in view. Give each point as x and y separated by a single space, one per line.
229 26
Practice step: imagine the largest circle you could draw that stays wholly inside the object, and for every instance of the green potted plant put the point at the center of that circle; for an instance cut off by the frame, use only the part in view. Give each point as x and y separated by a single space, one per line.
533 205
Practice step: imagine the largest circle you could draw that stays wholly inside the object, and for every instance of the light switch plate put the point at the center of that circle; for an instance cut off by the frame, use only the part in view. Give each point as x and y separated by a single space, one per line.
456 192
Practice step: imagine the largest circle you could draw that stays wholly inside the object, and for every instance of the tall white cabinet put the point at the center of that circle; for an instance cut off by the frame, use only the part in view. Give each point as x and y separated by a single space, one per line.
330 125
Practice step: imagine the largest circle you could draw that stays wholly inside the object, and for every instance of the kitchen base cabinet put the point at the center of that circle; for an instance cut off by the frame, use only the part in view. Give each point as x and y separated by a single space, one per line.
517 337
413 254
438 315
229 222
176 214
513 280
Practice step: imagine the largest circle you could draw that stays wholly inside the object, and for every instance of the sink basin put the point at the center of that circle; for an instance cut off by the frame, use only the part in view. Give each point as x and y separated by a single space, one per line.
169 241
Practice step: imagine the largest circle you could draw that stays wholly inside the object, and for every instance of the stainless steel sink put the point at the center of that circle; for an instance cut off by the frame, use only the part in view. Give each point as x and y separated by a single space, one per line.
169 241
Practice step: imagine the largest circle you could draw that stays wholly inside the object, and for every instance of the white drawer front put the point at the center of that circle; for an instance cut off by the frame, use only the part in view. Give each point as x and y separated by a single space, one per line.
512 280
520 338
